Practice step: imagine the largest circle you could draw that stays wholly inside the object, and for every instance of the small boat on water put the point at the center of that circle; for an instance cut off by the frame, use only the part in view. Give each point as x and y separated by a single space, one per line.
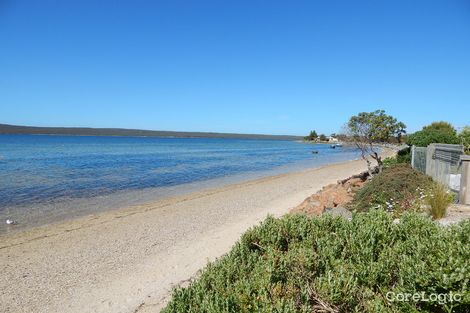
315 151
336 145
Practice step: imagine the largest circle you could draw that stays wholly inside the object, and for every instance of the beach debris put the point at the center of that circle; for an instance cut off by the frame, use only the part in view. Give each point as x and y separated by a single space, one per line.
11 222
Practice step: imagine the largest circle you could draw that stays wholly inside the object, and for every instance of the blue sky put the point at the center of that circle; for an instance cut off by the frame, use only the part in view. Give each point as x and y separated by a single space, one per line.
275 67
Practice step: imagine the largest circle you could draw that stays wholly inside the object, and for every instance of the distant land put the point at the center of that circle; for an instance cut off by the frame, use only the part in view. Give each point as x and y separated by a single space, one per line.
86 131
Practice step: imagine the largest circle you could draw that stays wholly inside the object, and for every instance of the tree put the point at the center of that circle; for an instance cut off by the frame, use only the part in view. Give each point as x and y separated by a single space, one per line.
437 132
369 129
443 127
323 137
312 136
464 137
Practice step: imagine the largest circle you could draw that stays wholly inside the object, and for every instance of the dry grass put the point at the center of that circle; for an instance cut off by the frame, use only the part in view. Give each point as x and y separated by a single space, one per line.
438 201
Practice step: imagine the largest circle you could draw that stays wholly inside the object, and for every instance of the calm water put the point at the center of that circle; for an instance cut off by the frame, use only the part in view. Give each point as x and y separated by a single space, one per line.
44 177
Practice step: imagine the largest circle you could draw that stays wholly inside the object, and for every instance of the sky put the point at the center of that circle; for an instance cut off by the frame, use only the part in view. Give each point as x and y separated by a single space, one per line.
270 67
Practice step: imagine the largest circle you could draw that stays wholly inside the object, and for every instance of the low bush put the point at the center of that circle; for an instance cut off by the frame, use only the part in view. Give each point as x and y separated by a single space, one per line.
403 156
397 188
329 264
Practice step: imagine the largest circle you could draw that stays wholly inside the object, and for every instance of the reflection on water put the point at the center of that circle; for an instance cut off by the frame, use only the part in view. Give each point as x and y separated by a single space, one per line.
47 177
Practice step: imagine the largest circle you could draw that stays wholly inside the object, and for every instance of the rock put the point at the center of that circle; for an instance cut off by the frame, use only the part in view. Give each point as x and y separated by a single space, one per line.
331 196
310 206
356 182
340 211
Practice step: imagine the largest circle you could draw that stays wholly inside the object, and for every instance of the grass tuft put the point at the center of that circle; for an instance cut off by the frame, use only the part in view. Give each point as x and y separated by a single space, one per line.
438 200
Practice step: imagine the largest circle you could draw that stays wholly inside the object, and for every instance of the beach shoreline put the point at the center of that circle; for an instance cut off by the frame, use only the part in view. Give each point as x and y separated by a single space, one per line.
129 260
47 214
51 180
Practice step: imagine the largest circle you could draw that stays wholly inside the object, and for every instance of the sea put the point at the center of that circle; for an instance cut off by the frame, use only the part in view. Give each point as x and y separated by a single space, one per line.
47 178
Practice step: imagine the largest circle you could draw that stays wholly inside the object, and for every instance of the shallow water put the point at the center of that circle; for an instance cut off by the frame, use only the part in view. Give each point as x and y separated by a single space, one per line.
46 178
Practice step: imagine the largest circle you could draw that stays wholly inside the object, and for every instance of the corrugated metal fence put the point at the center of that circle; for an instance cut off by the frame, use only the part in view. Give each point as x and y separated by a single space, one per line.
418 158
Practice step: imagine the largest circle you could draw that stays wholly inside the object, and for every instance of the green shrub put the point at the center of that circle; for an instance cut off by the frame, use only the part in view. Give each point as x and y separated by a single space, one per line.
396 189
438 201
403 156
390 161
425 138
328 264
437 132
464 137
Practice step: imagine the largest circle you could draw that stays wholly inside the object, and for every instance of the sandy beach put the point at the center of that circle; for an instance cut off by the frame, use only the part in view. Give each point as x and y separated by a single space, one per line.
129 260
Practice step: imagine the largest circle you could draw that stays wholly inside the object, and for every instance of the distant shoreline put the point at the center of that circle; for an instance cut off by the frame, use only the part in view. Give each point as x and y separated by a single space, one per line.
6 129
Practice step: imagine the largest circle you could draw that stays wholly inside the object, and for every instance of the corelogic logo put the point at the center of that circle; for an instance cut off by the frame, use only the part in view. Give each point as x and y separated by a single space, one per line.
441 298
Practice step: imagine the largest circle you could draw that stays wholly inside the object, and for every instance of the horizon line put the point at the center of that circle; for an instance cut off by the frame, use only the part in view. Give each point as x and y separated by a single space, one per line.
128 132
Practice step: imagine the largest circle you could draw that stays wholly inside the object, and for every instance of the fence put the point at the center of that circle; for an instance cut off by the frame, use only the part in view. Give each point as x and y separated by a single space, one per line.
464 195
441 162
418 158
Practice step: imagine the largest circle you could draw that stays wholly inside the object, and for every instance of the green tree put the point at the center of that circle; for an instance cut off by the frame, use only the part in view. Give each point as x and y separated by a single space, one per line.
442 126
323 137
312 136
369 129
437 132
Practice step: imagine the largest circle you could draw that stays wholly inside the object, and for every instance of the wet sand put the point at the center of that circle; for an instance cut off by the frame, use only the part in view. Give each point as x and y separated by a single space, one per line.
128 260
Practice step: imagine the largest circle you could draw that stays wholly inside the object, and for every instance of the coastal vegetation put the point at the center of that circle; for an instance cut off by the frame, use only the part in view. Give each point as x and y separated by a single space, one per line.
396 189
464 137
403 156
438 200
436 132
367 130
330 264
327 263
311 136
